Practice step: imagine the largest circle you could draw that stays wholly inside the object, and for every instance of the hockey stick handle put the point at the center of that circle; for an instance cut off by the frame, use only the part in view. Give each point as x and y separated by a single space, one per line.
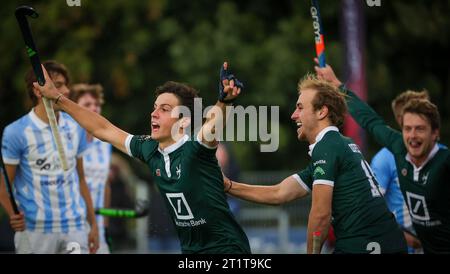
21 13
318 33
55 132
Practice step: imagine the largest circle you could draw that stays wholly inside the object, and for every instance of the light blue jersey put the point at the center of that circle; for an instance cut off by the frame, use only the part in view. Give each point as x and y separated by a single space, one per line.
383 165
96 163
49 197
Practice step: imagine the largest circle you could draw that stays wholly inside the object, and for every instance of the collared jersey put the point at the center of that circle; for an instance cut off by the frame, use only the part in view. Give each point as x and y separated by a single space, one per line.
190 180
426 189
49 197
361 220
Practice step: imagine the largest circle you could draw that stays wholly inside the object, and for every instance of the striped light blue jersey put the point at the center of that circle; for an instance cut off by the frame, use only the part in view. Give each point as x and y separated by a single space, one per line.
383 165
49 197
96 162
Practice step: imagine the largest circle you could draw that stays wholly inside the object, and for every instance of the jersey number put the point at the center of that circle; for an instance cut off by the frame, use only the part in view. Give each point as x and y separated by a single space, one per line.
374 248
370 177
73 248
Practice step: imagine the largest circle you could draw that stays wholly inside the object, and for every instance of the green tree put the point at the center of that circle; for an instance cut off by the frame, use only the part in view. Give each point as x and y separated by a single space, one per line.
131 47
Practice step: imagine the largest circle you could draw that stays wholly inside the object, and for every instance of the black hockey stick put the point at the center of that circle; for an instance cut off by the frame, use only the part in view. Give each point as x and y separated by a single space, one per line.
8 183
21 15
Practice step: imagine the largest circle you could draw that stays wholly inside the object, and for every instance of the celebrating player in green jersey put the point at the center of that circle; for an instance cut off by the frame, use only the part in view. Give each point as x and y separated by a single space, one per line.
423 166
343 188
186 171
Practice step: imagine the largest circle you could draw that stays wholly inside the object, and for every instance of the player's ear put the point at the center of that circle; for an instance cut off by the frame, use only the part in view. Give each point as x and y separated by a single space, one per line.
436 134
36 92
185 122
323 112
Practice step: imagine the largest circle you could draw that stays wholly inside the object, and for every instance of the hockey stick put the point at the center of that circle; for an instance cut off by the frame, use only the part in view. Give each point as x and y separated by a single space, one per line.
21 15
8 183
141 209
22 239
318 32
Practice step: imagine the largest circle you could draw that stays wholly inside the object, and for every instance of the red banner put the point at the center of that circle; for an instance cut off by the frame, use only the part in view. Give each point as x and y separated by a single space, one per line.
353 35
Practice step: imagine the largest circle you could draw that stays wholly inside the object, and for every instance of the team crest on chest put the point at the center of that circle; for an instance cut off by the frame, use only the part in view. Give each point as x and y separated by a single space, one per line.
69 136
158 172
178 171
425 178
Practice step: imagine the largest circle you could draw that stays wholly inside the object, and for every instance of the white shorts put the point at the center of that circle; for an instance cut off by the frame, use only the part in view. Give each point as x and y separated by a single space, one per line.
75 242
103 248
102 245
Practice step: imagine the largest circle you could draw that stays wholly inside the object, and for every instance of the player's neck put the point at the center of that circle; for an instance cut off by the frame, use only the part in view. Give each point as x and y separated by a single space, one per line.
40 112
163 144
321 126
418 161
166 143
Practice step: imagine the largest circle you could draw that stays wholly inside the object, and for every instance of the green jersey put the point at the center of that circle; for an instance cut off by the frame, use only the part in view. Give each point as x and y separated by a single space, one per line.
190 180
426 189
361 220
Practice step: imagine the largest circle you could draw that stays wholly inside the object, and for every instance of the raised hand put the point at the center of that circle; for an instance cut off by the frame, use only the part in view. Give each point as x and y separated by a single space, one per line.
229 86
48 90
326 73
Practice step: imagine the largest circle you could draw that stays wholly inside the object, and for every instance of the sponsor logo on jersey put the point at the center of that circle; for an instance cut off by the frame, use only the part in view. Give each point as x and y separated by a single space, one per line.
180 206
144 137
319 162
319 171
354 148
418 208
190 223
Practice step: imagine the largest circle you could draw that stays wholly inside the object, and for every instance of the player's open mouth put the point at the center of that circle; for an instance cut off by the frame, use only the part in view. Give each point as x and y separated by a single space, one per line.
155 126
299 129
414 144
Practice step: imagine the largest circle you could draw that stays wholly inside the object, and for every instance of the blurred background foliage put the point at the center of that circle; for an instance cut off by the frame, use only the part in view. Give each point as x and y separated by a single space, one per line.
131 47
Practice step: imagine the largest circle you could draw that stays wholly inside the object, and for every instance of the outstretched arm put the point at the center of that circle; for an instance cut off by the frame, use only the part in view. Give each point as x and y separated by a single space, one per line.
363 114
289 189
94 123
229 89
